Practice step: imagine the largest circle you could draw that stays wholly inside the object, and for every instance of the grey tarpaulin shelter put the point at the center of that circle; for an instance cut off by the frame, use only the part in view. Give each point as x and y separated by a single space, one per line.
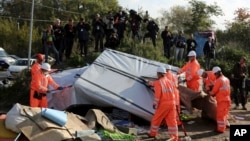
113 79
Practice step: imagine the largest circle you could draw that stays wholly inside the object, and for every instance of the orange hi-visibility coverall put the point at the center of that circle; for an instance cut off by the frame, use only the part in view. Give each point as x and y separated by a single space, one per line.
209 81
221 91
192 78
164 100
35 68
39 84
174 81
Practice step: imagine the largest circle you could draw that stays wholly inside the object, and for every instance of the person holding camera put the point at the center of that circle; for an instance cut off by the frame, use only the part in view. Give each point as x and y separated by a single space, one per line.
98 32
167 39
39 86
59 35
180 44
209 52
152 29
109 21
48 42
69 36
191 43
83 36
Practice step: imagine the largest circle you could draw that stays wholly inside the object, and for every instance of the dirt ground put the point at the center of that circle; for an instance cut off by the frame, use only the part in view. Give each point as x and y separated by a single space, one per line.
203 130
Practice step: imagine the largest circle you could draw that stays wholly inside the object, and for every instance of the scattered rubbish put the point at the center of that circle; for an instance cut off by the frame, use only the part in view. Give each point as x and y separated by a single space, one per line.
185 112
185 117
191 122
239 118
84 133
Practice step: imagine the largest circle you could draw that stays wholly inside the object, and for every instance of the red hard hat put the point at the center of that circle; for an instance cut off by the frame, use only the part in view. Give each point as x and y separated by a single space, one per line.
40 57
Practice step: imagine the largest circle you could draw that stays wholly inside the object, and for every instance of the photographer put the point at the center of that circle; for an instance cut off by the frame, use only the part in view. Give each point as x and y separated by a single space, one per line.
209 52
152 29
180 44
83 36
109 21
98 32
135 23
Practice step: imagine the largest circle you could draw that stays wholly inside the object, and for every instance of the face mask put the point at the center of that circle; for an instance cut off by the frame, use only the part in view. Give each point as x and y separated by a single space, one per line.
46 73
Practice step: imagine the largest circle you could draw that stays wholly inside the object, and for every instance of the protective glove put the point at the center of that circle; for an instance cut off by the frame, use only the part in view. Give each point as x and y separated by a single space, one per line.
60 88
154 106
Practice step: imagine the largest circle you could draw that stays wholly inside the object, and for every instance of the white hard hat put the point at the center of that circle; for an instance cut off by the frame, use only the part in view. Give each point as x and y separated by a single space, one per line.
192 53
168 67
46 66
200 72
216 69
161 69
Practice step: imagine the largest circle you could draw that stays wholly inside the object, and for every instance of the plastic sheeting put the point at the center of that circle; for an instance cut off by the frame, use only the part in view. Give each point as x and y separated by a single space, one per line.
61 99
114 79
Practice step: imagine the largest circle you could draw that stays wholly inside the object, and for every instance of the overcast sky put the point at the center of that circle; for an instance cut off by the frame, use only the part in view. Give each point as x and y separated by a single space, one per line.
154 7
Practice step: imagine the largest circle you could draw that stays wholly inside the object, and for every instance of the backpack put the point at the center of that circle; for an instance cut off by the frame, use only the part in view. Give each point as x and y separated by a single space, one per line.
154 26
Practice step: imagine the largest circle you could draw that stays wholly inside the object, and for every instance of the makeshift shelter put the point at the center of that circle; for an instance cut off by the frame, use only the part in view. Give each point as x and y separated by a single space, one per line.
114 79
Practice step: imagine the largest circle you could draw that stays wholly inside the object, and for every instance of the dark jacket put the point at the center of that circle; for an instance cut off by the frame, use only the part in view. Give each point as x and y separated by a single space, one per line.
98 26
238 70
180 41
191 45
58 31
209 49
83 31
152 28
167 39
70 31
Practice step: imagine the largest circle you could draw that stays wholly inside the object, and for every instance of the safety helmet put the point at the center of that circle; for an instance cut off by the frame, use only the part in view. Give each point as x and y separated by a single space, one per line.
168 67
46 66
161 69
192 53
200 72
40 57
216 69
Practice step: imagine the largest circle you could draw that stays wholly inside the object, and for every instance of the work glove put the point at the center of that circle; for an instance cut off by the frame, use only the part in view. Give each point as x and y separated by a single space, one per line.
60 88
154 106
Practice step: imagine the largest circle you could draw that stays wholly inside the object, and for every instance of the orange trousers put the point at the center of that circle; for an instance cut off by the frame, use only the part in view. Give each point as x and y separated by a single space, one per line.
34 102
222 115
165 112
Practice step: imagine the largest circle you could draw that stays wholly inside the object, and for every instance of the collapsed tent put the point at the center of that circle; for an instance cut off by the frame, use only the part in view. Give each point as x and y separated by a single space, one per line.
114 79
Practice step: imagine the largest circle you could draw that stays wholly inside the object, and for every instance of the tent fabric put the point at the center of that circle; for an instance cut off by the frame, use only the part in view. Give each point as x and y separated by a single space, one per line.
60 100
114 79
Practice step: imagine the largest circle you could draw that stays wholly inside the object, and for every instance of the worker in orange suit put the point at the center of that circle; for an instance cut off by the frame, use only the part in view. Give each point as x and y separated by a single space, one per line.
37 65
190 69
221 91
39 86
164 105
208 78
174 81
